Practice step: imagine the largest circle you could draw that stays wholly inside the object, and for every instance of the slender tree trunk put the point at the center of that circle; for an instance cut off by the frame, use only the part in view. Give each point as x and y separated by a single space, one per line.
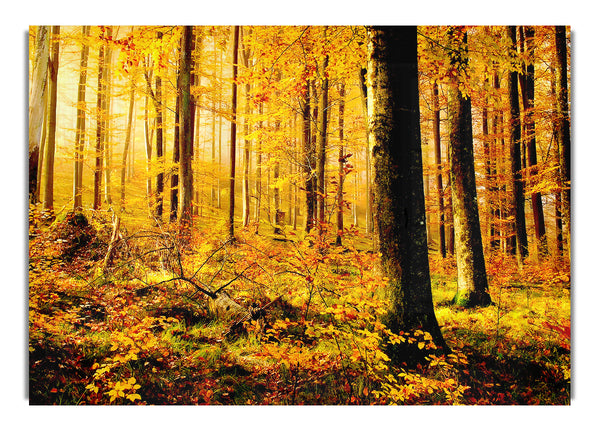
127 140
51 144
309 158
106 126
100 132
490 187
518 196
176 149
80 126
368 192
247 142
232 147
437 142
564 131
472 277
399 205
42 150
220 133
186 134
322 141
258 185
37 105
528 95
160 177
341 165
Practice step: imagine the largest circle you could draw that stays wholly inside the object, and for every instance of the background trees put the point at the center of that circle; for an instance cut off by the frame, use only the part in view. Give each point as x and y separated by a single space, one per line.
304 153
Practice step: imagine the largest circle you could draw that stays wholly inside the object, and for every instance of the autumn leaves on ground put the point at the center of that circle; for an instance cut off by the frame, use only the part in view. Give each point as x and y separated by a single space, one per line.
280 215
138 333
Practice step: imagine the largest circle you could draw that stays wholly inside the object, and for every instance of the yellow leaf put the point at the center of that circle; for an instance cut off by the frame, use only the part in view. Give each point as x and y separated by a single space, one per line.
133 397
421 344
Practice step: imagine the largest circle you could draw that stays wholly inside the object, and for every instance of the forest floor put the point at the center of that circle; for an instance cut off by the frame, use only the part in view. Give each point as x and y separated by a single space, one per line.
141 332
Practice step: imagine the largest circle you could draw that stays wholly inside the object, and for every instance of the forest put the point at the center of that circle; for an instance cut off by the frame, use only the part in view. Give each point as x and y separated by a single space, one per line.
299 215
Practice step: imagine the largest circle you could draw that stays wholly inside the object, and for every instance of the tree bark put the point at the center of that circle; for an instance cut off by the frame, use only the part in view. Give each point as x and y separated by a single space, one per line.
186 134
37 104
80 126
232 146
108 104
127 140
309 161
100 124
160 177
51 144
341 166
518 197
564 131
176 149
399 203
472 277
437 142
528 95
322 140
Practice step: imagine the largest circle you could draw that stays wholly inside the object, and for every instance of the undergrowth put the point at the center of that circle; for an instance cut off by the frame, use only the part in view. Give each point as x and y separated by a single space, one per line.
144 333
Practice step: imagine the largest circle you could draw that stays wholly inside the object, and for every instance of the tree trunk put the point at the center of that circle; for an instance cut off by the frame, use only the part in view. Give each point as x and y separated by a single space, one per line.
564 132
368 191
186 134
232 147
37 104
100 132
322 141
528 94
341 166
247 144
127 140
160 158
309 161
107 109
176 149
148 136
518 197
437 142
80 126
51 144
472 277
258 185
399 204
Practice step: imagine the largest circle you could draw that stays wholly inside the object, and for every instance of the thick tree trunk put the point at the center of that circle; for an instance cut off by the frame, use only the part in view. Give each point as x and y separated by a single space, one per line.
472 277
80 126
399 204
51 144
518 196
37 104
